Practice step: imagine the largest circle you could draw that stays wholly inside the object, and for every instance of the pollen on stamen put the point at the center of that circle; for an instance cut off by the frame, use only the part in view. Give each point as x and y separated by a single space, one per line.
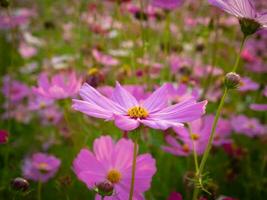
195 136
43 167
114 176
137 112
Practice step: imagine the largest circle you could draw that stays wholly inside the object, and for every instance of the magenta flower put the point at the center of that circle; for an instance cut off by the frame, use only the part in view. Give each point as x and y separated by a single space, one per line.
258 107
181 93
62 85
167 4
113 163
244 10
247 84
175 196
183 143
104 59
138 91
248 126
14 90
27 51
3 136
40 167
265 91
128 113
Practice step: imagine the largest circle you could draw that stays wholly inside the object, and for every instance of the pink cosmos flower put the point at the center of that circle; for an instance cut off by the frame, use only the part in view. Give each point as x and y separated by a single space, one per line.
38 103
18 18
248 126
247 84
167 4
175 196
128 113
104 59
183 143
27 51
258 107
242 9
177 63
62 85
3 136
50 115
181 93
40 167
265 91
14 90
113 162
138 91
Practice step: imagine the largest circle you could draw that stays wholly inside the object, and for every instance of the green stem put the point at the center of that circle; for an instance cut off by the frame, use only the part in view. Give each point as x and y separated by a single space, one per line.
239 54
214 125
39 191
194 149
207 151
167 33
133 167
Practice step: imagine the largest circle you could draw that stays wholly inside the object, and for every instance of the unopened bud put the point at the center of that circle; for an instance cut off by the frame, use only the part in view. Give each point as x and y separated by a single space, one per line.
104 188
232 80
20 184
249 26
4 3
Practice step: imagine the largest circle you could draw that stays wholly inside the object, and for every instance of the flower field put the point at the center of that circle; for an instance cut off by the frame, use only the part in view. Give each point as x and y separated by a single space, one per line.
133 99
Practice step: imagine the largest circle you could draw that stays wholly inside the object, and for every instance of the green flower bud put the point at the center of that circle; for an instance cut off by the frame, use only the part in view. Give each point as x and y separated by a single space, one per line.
104 188
232 80
249 26
20 184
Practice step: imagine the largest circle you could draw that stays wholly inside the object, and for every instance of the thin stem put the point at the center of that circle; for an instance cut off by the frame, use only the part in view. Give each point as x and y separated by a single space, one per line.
239 54
39 191
167 33
207 151
194 149
133 167
214 125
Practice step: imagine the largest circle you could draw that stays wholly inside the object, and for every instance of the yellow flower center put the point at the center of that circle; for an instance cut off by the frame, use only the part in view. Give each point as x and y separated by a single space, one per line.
137 112
114 176
195 136
43 167
93 71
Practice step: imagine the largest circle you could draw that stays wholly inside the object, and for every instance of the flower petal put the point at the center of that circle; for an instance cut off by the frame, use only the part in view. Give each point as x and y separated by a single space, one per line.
157 100
125 123
123 97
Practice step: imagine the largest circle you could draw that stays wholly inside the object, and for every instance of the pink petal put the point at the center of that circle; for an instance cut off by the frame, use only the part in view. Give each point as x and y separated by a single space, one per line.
91 110
123 97
125 123
103 149
157 100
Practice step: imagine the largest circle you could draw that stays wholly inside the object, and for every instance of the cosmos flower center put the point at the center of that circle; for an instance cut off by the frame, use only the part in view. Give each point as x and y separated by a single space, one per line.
195 136
43 167
114 176
185 148
137 112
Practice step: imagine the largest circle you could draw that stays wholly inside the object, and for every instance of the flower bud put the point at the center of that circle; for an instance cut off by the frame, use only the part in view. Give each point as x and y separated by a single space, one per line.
20 184
3 136
249 26
104 188
232 80
4 3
